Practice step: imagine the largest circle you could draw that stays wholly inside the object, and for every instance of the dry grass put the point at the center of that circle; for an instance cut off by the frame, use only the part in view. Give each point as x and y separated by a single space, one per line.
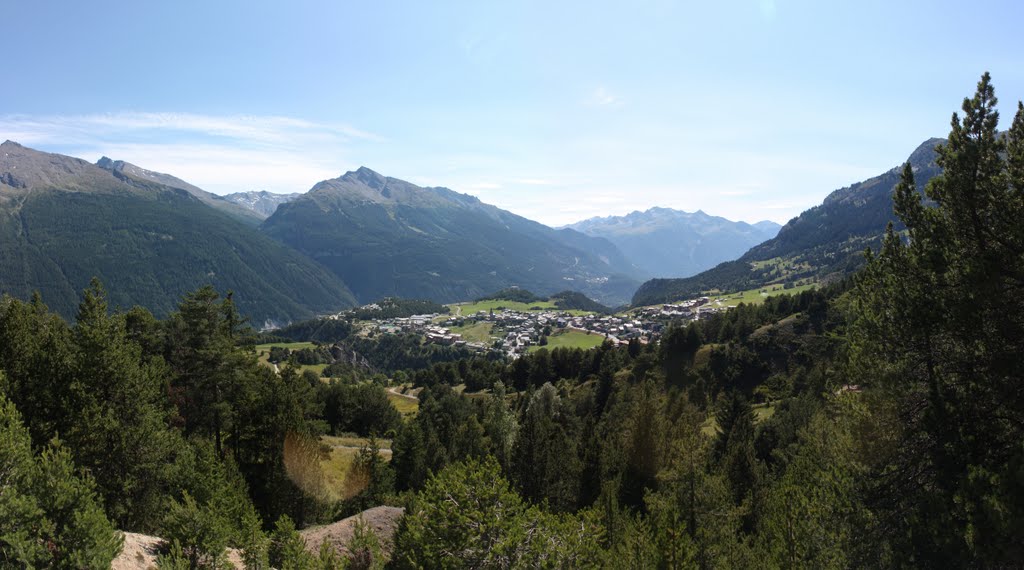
340 478
406 405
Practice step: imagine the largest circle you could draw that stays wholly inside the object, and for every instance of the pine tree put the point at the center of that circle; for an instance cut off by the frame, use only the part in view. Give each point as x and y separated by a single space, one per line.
940 329
49 513
119 430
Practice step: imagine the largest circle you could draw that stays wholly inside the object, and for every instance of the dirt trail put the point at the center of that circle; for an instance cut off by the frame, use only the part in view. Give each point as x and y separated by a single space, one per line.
401 395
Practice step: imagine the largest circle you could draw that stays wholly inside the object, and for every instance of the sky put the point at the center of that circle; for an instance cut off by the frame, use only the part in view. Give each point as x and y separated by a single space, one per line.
557 111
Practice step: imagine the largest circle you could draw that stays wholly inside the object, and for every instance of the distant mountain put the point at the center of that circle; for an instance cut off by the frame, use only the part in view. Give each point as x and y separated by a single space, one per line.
387 237
824 242
127 170
262 202
670 243
149 237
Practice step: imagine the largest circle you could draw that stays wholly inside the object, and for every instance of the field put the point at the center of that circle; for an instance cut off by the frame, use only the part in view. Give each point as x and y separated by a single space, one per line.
495 304
337 466
263 350
571 339
756 296
406 405
779 268
478 332
263 353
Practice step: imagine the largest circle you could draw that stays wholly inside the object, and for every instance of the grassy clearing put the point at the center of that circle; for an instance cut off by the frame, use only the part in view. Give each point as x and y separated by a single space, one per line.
341 480
780 268
406 405
336 468
263 350
757 296
354 441
289 345
477 332
761 413
496 305
318 368
571 339
263 354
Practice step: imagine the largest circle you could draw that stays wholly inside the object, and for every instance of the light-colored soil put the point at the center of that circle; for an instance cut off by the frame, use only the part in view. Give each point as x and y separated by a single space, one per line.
140 552
382 520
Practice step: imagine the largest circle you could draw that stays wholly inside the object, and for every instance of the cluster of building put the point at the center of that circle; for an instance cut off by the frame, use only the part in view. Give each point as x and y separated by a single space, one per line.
515 331
692 309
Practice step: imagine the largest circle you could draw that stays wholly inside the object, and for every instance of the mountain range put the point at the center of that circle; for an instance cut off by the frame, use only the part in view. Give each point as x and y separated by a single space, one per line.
150 238
664 242
824 243
388 237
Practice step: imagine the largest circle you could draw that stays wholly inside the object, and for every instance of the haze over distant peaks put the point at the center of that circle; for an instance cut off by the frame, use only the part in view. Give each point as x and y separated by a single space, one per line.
667 242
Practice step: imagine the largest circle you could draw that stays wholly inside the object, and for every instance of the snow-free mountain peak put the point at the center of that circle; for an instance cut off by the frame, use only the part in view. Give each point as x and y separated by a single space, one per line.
394 238
667 242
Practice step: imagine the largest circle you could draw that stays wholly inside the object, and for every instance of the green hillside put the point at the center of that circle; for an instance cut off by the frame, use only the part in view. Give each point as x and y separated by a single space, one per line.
63 221
387 237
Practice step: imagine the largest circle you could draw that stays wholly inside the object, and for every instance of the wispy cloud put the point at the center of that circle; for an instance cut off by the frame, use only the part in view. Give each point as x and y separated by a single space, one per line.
483 186
535 182
602 97
219 153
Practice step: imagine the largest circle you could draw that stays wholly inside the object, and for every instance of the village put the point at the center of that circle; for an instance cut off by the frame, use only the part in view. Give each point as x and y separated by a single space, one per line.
513 332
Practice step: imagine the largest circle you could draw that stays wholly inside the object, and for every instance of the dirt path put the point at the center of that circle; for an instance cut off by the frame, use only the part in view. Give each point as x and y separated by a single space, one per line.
401 395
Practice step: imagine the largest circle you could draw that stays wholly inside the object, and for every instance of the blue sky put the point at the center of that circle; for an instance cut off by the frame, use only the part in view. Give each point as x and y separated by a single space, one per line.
554 110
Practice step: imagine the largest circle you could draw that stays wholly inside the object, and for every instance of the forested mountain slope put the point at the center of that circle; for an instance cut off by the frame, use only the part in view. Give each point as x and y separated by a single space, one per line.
387 237
64 221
